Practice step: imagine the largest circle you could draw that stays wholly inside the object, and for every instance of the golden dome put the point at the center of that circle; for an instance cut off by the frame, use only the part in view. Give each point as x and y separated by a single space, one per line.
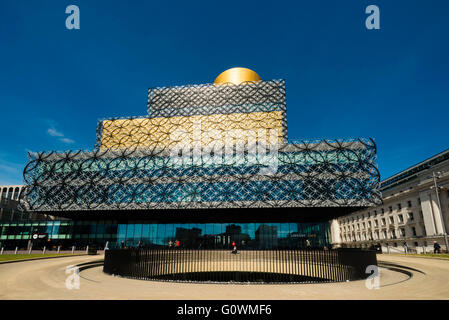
237 76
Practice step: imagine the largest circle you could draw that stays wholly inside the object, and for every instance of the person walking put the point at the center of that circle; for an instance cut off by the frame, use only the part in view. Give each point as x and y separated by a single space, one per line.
139 248
436 247
122 245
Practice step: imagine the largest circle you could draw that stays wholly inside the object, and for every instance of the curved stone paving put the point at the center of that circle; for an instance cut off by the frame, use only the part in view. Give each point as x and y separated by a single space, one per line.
46 280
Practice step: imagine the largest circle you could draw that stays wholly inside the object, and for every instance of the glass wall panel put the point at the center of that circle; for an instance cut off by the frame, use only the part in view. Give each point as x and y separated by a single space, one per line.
197 236
137 232
111 229
121 233
55 230
153 233
100 228
146 238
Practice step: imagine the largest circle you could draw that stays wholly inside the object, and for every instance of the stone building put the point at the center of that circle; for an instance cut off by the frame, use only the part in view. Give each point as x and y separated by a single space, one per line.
410 213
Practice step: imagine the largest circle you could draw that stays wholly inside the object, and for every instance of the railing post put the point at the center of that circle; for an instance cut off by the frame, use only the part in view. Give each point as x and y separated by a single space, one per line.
43 251
15 252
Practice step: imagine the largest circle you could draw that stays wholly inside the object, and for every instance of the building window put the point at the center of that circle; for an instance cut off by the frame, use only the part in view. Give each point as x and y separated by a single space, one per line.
393 234
376 223
402 232
410 215
399 206
390 208
383 221
383 211
414 231
10 193
375 212
401 218
16 193
391 220
409 204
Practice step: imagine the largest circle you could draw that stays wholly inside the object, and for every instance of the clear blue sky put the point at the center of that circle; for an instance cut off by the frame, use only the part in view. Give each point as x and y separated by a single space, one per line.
342 80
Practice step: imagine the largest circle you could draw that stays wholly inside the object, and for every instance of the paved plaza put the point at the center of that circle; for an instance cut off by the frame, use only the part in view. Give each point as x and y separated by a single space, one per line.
427 279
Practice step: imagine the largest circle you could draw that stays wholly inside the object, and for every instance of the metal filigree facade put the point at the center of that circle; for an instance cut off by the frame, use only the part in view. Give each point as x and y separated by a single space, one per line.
205 146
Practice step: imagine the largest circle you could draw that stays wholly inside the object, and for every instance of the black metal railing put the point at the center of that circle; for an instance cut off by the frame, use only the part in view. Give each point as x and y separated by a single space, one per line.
266 266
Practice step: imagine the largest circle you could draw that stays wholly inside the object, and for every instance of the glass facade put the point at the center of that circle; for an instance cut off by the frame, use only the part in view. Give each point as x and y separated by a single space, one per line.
186 235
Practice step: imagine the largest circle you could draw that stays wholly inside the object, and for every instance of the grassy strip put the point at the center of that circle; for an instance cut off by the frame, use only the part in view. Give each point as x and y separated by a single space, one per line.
12 257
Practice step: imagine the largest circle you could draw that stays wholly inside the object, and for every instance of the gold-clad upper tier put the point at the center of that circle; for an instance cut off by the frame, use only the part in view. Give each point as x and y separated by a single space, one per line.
162 132
237 76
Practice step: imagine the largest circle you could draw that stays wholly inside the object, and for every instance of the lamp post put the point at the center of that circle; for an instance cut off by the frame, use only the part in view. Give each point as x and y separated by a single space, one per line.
435 177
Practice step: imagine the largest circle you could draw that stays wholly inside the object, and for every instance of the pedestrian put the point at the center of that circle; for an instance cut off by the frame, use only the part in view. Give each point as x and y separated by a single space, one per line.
139 245
307 243
234 250
405 247
122 245
177 243
436 247
170 244
233 243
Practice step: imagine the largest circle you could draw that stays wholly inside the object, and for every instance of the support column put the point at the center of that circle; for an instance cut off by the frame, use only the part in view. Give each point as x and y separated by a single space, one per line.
335 232
428 214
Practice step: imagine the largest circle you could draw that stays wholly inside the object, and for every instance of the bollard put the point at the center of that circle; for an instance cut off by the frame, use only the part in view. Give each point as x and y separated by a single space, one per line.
73 249
59 249
43 251
15 252
87 249
1 252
